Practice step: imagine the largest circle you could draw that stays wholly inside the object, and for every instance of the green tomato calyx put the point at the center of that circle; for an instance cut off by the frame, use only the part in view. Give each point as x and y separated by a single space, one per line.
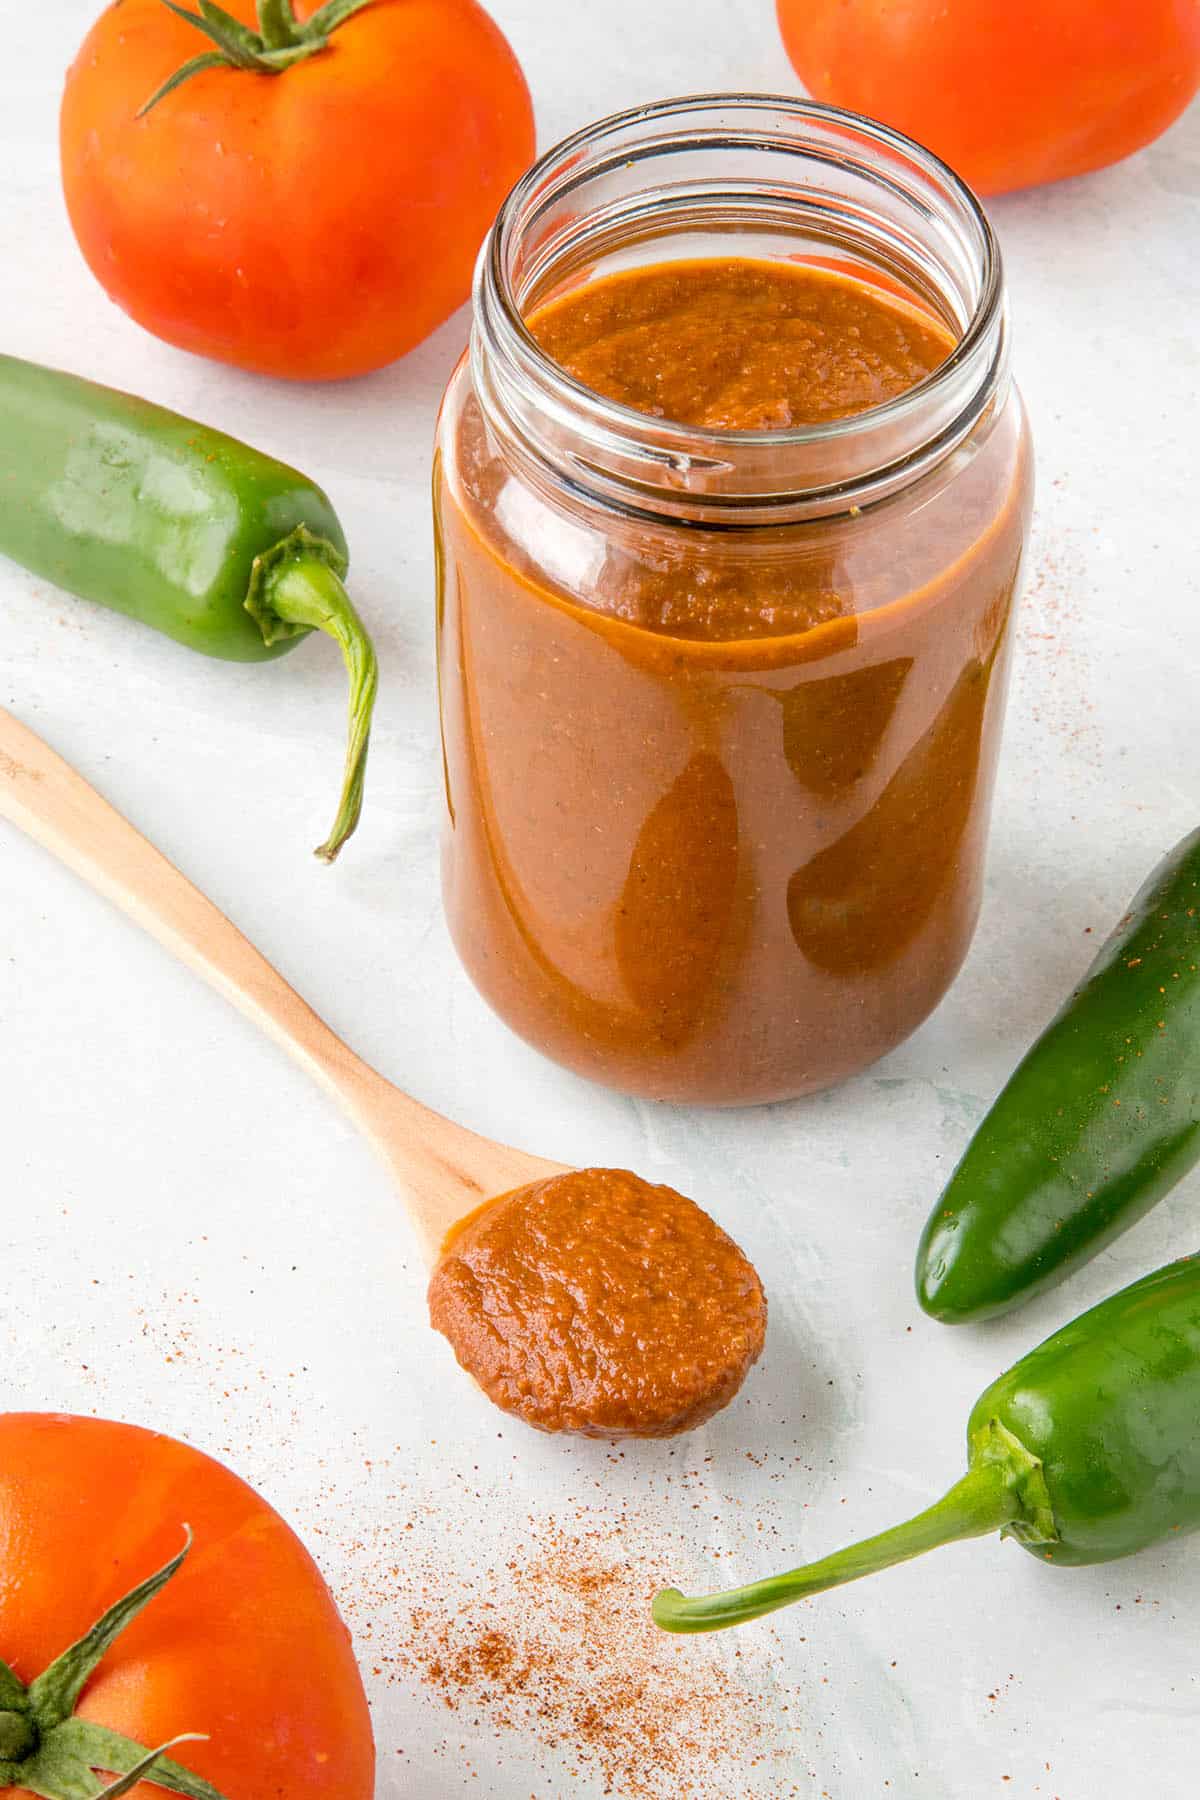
280 40
47 1751
18 1736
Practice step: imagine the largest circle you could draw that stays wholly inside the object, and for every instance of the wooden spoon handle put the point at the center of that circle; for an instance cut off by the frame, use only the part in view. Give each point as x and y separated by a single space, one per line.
444 1171
52 803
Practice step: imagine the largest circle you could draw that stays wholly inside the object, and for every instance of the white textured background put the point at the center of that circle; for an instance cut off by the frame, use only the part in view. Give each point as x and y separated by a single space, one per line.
193 1239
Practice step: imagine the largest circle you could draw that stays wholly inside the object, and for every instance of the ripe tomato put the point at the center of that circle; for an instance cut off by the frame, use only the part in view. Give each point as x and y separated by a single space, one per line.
313 223
244 1643
1008 92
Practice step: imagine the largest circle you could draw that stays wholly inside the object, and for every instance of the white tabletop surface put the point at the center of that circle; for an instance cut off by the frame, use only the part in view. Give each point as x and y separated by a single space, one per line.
195 1240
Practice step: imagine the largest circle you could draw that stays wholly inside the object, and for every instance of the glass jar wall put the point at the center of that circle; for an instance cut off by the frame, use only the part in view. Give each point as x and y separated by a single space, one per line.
721 706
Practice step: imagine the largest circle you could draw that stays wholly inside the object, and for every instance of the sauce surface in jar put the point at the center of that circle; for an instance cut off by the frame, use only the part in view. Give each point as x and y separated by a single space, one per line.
718 794
736 345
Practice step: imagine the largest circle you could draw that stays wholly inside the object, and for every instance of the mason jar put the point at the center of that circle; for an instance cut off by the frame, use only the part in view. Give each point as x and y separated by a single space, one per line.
721 708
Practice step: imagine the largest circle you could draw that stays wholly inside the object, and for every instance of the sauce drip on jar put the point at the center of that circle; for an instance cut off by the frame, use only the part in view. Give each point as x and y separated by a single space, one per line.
596 1303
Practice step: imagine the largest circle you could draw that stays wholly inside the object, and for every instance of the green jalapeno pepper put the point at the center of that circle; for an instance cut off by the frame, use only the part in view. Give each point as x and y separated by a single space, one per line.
213 543
1086 1450
1100 1120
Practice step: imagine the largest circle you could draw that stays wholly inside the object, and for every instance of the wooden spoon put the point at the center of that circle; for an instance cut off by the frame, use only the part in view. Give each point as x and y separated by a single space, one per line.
442 1170
582 1300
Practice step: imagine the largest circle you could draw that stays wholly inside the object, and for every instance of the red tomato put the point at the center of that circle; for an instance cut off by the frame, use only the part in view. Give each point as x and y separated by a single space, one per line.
244 1643
1008 92
314 223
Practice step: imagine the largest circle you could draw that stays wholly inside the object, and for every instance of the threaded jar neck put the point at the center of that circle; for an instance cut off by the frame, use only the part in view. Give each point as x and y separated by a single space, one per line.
749 176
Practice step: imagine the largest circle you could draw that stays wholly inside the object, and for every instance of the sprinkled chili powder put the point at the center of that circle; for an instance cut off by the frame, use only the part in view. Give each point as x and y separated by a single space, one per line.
571 1662
552 1654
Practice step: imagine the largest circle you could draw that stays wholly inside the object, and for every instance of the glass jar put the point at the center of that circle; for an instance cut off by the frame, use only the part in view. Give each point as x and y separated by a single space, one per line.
738 860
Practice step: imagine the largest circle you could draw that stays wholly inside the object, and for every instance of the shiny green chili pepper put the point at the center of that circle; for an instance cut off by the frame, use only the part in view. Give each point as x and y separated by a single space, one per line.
213 543
1100 1120
1086 1450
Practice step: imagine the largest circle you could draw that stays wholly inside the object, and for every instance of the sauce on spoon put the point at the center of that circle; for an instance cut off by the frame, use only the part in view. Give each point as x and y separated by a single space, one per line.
597 1303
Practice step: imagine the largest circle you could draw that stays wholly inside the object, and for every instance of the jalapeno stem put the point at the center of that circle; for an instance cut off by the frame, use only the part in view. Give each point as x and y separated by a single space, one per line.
302 589
1003 1489
280 41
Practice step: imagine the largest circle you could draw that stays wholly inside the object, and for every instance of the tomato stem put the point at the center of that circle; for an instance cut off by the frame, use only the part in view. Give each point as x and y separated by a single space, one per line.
279 42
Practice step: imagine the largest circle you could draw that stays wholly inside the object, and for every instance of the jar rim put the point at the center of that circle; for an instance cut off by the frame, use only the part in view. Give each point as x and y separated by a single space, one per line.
493 269
826 175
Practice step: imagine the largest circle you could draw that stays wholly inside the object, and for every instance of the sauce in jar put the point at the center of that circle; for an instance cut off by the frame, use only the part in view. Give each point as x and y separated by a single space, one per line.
718 789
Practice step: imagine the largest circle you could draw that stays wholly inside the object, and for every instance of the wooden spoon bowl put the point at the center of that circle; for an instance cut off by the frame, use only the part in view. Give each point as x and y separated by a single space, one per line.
444 1172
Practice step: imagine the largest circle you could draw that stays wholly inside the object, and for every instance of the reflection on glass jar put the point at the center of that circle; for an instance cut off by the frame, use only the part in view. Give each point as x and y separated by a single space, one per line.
721 705
860 903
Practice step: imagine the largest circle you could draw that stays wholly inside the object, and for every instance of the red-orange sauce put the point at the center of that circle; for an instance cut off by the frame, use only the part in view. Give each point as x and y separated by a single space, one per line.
718 800
596 1303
